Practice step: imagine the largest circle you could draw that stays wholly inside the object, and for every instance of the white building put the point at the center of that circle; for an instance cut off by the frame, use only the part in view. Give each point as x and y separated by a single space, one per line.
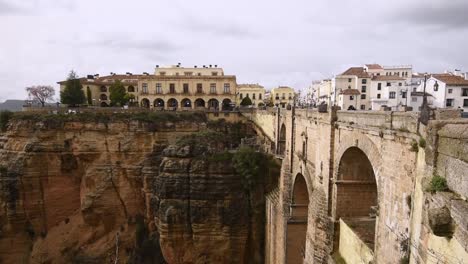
389 91
321 92
450 90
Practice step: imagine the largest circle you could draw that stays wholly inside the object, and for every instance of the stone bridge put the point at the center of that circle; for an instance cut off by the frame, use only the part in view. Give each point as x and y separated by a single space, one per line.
352 186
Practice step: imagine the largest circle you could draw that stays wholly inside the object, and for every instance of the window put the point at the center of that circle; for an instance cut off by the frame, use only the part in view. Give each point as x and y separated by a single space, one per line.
131 89
289 96
399 84
227 88
364 81
465 102
363 89
378 96
144 88
363 96
283 96
449 103
186 88
103 89
388 83
465 92
162 73
379 86
172 88
351 97
253 96
199 88
241 96
392 95
403 94
158 88
363 107
260 96
214 74
188 73
349 86
414 99
414 89
213 88
450 90
349 79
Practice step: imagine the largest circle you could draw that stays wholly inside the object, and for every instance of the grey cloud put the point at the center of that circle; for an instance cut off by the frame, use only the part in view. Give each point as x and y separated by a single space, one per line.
216 27
442 15
7 8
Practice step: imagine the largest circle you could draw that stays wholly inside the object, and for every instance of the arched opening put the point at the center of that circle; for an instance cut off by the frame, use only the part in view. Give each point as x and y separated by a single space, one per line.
104 104
199 103
145 103
103 97
172 103
213 104
261 104
297 222
282 141
159 103
226 105
103 89
186 103
356 197
131 89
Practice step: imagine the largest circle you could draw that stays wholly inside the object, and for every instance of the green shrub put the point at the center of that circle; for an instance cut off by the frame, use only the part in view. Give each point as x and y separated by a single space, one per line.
422 142
414 146
5 117
437 184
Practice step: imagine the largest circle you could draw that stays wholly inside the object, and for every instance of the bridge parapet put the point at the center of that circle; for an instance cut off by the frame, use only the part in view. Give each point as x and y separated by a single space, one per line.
402 121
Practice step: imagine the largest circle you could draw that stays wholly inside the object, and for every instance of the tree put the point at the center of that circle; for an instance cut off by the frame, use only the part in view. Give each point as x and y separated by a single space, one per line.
41 93
73 93
89 96
118 95
246 101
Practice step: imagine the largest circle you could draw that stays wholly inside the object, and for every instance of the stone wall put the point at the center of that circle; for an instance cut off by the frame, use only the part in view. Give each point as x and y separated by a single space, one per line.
315 145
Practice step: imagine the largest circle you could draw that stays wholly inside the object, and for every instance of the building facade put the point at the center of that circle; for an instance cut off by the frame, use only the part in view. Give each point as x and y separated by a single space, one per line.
449 90
255 92
355 78
169 88
282 96
389 91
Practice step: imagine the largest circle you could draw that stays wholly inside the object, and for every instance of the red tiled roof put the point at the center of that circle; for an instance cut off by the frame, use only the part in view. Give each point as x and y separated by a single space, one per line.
387 78
356 71
374 67
450 79
350 92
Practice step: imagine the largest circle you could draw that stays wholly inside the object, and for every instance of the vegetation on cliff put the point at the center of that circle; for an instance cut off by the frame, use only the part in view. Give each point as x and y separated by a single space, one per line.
5 117
58 120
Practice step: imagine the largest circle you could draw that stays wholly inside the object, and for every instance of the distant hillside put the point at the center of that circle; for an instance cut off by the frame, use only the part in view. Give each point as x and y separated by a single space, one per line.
12 105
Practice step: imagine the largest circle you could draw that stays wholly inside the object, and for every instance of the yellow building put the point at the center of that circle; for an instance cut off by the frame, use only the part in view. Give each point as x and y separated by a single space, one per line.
282 96
170 88
255 92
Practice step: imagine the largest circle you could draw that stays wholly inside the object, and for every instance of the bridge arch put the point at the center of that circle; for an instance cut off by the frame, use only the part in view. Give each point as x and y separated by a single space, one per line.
356 196
297 222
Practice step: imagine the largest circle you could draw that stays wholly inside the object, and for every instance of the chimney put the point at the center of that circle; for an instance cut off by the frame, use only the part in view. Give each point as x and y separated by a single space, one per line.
96 76
195 66
128 73
216 65
157 66
210 65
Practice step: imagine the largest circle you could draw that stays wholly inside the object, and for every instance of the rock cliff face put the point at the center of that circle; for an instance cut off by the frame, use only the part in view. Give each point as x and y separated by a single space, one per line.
94 191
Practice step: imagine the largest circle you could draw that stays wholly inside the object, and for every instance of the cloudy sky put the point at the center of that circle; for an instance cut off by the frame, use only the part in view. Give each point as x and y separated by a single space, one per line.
261 41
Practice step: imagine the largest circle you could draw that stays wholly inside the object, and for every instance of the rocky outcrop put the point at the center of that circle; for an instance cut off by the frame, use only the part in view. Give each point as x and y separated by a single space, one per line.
107 189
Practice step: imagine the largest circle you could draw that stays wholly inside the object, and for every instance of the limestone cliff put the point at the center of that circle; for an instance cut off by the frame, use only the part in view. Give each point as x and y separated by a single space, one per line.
98 189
